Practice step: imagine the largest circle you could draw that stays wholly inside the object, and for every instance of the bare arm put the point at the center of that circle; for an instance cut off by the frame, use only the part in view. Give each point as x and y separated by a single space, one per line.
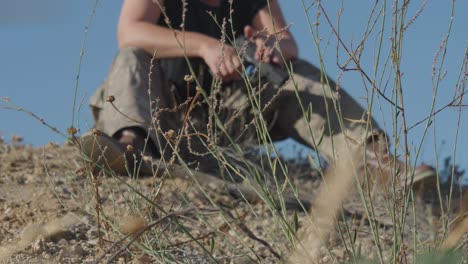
137 28
275 24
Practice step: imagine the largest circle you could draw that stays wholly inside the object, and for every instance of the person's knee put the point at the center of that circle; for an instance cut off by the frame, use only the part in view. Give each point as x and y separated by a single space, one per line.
304 68
132 56
308 78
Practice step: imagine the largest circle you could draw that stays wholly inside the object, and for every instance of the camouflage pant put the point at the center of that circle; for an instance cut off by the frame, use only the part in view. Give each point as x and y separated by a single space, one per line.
305 108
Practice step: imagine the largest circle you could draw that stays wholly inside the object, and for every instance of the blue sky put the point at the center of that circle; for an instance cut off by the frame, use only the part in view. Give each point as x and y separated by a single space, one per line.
40 52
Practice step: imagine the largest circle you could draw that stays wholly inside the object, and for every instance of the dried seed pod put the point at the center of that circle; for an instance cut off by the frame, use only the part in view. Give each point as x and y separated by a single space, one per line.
129 148
96 132
188 78
211 146
72 131
170 134
110 99
131 224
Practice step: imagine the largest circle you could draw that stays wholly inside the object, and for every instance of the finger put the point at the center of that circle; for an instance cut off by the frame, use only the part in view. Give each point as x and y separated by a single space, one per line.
268 55
230 70
237 68
236 63
233 70
217 74
233 59
249 31
216 70
260 53
223 71
265 55
276 59
260 48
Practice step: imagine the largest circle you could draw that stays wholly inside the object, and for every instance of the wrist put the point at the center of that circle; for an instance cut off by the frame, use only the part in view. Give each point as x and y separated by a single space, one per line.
205 46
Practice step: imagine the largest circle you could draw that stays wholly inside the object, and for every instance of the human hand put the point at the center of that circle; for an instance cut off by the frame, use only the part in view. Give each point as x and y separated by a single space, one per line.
222 60
266 52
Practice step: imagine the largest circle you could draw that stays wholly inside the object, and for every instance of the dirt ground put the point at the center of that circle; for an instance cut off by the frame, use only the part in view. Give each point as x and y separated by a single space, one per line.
52 211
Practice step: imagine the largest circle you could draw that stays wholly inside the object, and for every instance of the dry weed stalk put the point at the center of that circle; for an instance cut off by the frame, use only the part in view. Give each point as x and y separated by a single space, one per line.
138 228
460 227
330 197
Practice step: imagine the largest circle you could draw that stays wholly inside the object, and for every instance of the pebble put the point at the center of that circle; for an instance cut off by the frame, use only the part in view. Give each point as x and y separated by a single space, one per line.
339 252
213 186
46 255
93 242
32 178
38 245
63 242
66 193
76 251
72 252
326 259
92 233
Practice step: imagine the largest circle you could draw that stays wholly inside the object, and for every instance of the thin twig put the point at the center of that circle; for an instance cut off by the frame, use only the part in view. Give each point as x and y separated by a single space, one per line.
356 61
137 235
83 44
450 104
251 235
423 5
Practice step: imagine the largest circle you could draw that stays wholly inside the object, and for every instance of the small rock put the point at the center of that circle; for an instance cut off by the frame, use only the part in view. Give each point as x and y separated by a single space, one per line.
72 252
213 186
93 242
46 255
77 251
59 181
339 252
38 245
21 180
325 259
63 242
65 193
92 233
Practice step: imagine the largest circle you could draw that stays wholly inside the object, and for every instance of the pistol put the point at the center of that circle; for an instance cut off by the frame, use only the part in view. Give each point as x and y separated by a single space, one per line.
253 68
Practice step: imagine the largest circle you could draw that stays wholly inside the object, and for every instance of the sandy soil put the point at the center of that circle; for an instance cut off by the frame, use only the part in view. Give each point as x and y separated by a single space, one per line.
53 211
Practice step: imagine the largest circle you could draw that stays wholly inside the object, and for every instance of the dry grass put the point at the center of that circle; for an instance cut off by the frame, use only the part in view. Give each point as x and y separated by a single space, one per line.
181 215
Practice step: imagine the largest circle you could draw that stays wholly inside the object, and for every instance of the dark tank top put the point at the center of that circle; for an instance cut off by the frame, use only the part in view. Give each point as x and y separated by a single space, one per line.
206 19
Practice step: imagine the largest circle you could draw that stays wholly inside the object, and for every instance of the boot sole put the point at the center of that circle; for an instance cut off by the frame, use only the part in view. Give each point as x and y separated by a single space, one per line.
103 152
